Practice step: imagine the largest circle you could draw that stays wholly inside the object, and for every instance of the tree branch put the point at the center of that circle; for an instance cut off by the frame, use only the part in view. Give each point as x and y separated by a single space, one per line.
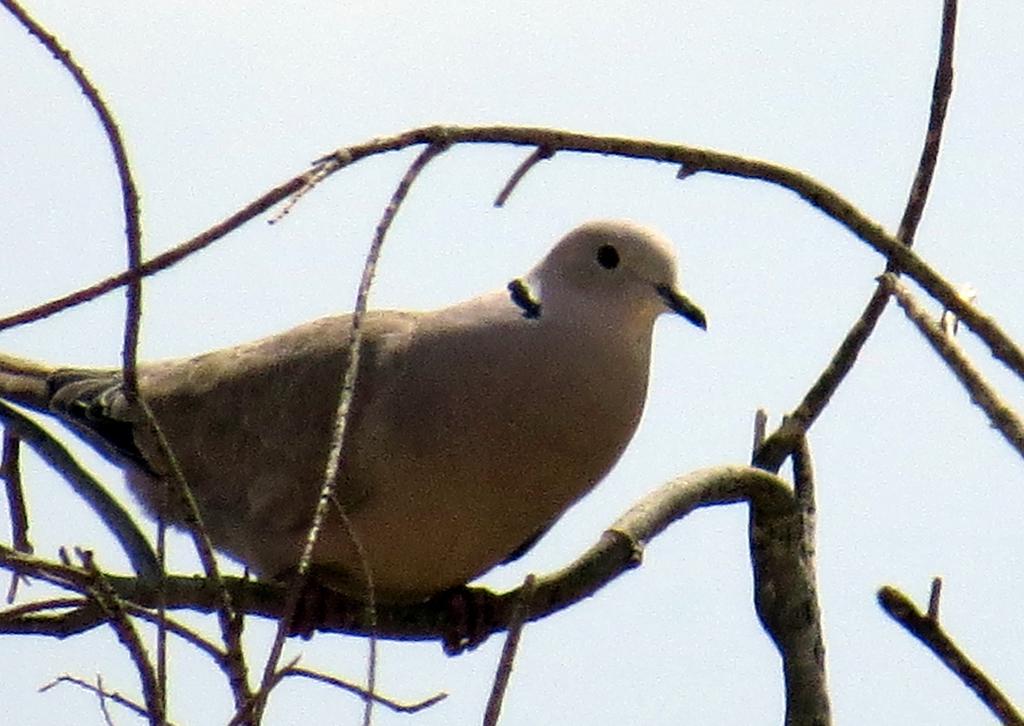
1000 415
100 692
508 653
927 630
619 549
337 440
818 195
779 445
111 605
108 509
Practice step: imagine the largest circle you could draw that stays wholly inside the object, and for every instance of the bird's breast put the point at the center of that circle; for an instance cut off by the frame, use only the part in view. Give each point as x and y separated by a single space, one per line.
485 453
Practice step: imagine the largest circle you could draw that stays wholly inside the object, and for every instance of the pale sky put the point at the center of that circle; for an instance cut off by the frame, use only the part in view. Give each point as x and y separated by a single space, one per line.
220 102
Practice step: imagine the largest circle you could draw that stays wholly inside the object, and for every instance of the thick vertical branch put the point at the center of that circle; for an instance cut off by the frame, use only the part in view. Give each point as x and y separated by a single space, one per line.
782 549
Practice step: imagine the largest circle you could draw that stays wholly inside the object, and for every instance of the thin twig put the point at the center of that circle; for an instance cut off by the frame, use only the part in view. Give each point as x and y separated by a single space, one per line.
538 155
10 472
760 428
927 630
175 628
1000 415
371 605
228 618
781 442
508 652
942 91
110 695
111 604
933 598
294 672
129 193
312 179
161 591
29 608
341 418
101 694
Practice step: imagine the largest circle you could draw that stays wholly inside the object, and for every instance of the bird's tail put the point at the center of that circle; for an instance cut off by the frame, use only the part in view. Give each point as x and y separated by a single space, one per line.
25 382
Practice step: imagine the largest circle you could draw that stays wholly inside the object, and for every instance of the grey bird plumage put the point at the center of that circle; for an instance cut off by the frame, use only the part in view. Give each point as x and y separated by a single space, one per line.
473 427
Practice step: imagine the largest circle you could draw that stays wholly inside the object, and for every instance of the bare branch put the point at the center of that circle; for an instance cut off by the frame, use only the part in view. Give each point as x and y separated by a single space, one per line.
782 549
118 619
760 428
10 472
782 441
60 574
539 154
133 318
508 653
927 630
942 91
348 385
933 598
98 690
818 195
108 509
101 694
1000 415
129 193
21 620
294 672
618 549
57 603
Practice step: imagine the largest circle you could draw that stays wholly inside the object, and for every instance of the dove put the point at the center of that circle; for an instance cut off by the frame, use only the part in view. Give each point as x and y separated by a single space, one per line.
473 427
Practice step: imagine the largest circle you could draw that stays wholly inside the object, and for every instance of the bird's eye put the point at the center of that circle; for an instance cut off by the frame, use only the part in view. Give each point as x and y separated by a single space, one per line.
607 257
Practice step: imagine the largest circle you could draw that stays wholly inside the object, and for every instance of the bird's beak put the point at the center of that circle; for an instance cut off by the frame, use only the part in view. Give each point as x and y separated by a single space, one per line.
679 303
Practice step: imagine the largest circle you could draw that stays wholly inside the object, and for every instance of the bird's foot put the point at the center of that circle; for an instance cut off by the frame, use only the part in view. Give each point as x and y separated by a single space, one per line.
470 615
319 604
